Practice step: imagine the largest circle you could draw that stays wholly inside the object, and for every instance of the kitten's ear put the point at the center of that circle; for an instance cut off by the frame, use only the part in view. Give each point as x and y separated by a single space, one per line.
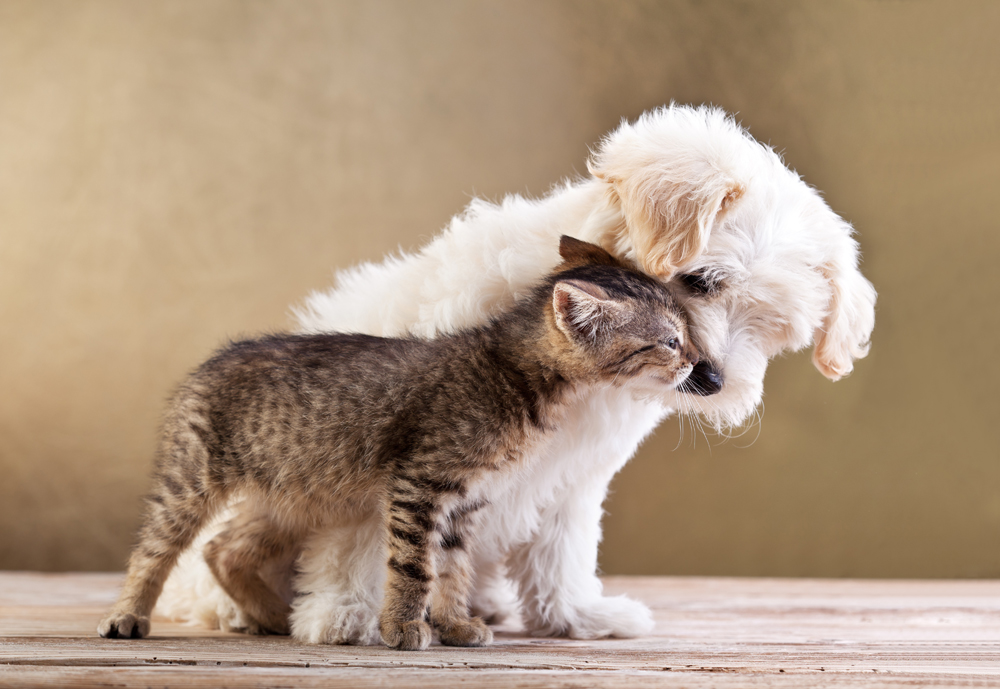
582 308
577 252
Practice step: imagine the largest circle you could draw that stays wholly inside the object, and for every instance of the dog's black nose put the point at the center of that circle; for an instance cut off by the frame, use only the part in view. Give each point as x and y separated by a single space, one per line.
705 379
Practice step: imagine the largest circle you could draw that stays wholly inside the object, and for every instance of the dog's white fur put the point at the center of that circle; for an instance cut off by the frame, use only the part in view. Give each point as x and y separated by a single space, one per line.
679 190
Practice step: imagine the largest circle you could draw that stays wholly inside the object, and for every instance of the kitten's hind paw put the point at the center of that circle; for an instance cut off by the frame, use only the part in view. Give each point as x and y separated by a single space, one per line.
255 628
123 625
414 635
472 632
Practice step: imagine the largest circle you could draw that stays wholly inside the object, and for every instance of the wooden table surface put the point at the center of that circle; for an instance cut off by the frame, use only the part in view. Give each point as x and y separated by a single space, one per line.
710 632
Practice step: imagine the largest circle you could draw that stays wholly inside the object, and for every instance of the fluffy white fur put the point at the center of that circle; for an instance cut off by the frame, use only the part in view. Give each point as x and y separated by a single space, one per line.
680 190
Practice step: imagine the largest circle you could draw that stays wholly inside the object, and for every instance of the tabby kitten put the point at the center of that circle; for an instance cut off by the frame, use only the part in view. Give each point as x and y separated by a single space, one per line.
322 427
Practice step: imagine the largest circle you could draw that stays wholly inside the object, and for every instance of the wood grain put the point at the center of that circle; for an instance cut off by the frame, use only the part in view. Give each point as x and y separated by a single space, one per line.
710 632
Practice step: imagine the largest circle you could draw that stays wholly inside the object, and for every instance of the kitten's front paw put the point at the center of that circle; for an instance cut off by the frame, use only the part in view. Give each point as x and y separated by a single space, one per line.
123 625
472 632
414 635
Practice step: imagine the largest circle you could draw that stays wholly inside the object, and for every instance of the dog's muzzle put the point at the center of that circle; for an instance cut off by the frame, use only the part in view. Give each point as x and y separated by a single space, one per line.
705 379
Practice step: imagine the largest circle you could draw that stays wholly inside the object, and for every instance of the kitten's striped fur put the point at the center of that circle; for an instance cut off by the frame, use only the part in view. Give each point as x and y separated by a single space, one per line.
322 427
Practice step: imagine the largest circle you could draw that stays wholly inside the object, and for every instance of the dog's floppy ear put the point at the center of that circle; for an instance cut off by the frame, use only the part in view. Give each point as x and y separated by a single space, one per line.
670 182
583 308
847 326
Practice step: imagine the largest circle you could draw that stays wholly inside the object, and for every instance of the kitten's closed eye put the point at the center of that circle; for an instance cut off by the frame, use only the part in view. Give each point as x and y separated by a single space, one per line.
671 343
633 354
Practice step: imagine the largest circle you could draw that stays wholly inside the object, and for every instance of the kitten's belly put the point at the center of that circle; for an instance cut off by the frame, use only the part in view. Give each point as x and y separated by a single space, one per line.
320 508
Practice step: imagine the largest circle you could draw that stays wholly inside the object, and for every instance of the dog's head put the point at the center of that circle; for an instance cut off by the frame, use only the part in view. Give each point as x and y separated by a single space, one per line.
759 260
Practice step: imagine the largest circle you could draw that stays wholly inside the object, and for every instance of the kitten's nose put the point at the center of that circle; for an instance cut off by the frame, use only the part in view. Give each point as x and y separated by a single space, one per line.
705 379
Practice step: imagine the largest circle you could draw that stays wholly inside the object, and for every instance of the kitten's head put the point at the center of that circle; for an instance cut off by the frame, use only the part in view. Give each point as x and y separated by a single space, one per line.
619 325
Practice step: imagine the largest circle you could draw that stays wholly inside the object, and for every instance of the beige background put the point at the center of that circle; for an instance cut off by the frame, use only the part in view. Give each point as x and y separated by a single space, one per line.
174 173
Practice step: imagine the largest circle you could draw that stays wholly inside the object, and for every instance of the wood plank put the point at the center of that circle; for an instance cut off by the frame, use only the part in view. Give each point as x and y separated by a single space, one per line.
710 632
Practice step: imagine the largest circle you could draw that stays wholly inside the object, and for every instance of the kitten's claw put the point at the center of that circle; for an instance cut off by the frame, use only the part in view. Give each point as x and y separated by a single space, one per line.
473 632
414 635
123 626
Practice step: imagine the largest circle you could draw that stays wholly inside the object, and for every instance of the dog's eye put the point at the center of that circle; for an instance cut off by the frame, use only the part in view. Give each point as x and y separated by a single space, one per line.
700 282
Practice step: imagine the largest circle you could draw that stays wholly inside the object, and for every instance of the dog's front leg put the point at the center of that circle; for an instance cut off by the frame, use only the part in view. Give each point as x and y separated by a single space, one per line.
555 571
339 585
560 592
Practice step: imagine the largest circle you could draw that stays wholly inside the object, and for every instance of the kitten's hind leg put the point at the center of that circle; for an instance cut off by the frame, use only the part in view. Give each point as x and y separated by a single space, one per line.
236 556
185 494
176 511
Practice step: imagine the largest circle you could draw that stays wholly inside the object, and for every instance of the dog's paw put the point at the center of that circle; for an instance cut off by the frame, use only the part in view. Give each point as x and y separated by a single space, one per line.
123 625
471 632
355 624
617 616
413 635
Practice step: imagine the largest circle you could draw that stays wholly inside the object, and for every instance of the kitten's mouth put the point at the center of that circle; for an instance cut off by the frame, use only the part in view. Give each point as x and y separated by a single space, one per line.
705 380
669 382
676 382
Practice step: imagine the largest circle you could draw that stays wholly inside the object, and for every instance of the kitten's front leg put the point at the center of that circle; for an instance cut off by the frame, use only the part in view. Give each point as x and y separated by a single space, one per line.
410 521
450 595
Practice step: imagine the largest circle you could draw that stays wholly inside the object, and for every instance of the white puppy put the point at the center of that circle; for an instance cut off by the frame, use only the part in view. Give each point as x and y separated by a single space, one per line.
763 266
